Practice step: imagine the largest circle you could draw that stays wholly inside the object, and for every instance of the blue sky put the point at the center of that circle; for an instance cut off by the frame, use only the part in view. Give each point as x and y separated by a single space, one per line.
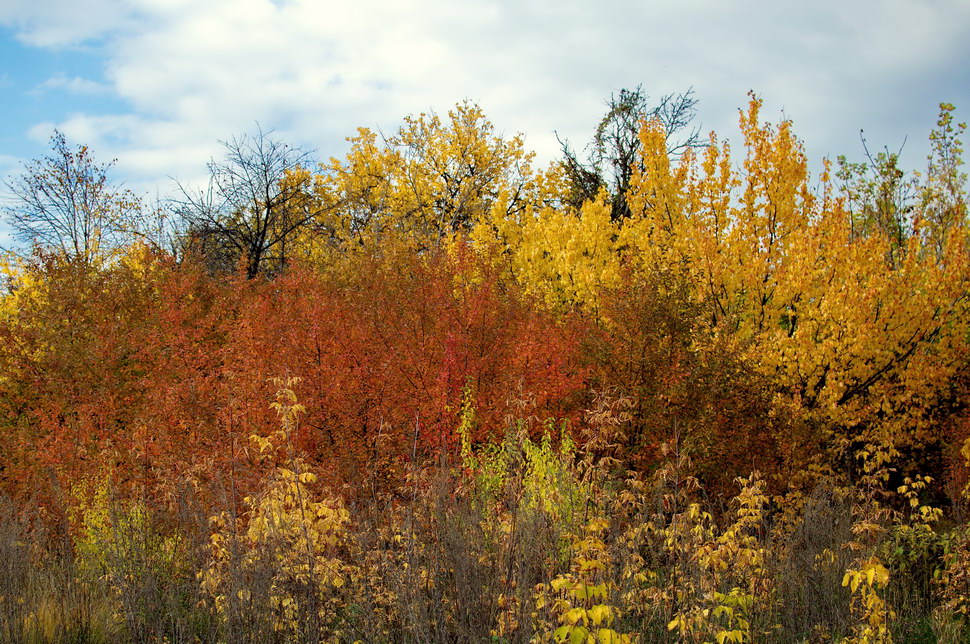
43 85
156 83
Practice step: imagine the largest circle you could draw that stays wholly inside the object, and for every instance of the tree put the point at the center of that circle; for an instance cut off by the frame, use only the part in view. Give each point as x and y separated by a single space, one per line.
943 199
615 149
879 198
64 202
256 202
864 342
436 177
884 199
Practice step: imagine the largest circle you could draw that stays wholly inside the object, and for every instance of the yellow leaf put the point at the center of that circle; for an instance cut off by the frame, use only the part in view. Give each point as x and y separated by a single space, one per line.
308 477
578 635
600 614
609 636
574 615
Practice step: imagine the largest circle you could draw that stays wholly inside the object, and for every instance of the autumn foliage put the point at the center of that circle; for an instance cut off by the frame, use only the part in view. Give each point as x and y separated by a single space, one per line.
459 406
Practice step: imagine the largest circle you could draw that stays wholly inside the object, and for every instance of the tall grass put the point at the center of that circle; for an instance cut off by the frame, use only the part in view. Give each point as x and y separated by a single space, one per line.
522 540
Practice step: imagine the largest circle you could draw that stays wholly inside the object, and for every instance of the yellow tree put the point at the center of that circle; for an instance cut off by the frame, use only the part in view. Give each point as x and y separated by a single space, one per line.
564 256
436 177
863 345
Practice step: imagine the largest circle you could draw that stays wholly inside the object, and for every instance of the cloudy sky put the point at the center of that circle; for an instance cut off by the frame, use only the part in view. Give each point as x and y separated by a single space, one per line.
156 83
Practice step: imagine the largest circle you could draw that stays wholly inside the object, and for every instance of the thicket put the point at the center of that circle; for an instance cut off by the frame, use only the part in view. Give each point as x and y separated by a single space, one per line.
430 393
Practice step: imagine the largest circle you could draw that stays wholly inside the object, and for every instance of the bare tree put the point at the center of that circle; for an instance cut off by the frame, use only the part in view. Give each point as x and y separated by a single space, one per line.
615 149
256 201
64 202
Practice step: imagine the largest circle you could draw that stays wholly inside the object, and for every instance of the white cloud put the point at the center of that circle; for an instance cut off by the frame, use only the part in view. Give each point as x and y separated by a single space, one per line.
194 72
75 85
60 23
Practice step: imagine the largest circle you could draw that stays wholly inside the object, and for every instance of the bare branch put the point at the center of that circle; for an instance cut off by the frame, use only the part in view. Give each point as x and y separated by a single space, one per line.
250 208
614 152
64 202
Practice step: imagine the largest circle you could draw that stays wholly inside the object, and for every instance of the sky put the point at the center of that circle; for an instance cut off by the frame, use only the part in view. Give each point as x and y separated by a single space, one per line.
156 84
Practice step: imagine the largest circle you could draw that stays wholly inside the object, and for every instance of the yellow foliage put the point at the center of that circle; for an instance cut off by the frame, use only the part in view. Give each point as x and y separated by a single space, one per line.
861 343
578 600
435 178
286 530
564 258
